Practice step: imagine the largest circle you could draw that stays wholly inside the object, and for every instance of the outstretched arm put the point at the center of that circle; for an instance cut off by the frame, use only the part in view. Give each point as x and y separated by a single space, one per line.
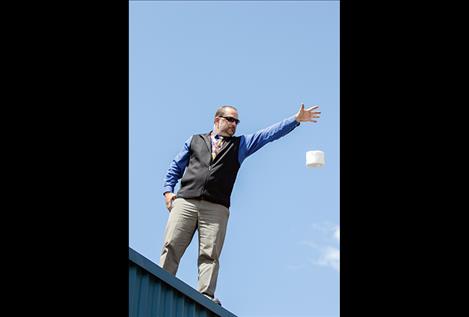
252 142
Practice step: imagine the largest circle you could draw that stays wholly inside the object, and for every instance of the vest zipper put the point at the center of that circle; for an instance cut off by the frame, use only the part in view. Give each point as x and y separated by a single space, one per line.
206 179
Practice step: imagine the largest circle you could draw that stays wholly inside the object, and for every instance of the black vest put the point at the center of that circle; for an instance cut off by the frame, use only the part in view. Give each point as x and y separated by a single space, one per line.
207 179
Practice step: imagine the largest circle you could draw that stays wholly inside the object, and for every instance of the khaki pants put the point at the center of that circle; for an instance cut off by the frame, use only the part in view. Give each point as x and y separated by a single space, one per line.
185 217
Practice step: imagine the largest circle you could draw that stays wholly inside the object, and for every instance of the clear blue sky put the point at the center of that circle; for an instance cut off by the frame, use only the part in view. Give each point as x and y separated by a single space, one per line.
280 256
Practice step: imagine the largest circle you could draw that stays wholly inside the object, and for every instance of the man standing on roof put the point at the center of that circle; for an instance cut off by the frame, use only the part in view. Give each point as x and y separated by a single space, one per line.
211 162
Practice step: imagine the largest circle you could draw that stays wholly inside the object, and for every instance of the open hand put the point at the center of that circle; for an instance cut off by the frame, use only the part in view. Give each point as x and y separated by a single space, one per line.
307 115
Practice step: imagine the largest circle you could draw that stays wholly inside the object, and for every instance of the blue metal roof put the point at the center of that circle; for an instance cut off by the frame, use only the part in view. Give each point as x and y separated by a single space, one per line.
153 292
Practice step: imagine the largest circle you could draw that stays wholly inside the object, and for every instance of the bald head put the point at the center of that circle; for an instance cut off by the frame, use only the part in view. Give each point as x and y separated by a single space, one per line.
221 111
226 121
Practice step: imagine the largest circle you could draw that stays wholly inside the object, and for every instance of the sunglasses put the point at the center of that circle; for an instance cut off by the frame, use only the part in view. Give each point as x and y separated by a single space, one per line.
231 119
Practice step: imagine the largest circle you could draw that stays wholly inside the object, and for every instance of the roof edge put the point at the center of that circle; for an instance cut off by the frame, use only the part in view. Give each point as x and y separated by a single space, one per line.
176 283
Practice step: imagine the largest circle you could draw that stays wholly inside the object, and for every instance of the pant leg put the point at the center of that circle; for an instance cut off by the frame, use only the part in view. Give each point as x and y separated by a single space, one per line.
213 220
180 229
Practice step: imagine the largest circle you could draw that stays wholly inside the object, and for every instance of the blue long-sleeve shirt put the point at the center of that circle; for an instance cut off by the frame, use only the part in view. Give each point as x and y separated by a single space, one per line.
249 144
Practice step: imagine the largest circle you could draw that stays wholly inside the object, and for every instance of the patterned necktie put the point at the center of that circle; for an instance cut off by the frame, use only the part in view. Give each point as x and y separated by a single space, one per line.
217 143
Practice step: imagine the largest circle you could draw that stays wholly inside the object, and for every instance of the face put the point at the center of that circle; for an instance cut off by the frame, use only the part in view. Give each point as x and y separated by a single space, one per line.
225 127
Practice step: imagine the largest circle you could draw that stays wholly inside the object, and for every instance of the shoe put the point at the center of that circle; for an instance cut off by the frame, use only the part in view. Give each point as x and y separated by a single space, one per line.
213 299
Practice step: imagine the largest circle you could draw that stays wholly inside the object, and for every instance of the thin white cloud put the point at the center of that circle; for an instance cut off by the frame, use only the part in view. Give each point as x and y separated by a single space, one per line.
324 227
337 234
325 247
329 256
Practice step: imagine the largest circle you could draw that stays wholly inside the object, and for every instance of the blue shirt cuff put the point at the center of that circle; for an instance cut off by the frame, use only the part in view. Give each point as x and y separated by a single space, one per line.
292 120
167 189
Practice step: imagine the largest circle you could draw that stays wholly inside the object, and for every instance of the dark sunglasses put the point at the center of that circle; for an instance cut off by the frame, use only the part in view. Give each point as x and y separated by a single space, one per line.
231 119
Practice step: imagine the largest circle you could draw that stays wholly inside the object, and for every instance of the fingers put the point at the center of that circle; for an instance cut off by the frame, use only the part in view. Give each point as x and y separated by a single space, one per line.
169 202
310 115
169 206
313 114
